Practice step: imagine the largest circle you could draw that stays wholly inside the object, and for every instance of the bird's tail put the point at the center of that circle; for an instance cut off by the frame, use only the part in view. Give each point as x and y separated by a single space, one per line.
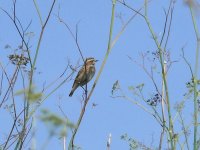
71 93
75 86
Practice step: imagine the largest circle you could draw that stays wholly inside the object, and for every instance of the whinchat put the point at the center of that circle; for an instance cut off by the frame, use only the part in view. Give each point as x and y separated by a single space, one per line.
85 74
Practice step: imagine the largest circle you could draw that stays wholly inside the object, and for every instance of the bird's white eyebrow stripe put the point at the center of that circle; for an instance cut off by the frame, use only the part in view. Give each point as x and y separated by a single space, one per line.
90 59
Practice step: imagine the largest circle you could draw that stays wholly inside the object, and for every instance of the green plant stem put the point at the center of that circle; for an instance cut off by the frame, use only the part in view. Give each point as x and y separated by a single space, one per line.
21 140
38 11
163 112
184 130
71 144
195 78
171 132
165 85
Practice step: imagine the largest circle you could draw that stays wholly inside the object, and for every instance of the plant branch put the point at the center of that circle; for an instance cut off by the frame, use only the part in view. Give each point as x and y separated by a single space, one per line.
195 77
71 144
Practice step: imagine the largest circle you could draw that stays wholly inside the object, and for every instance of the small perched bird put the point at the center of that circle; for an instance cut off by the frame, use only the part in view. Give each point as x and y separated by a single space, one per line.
85 74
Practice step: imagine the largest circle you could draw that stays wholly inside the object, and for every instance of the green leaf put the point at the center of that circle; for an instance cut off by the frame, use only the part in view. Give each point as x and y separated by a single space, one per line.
30 94
131 88
134 144
140 86
56 124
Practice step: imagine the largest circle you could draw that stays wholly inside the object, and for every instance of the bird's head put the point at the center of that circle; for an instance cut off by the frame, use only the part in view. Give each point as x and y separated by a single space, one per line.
90 61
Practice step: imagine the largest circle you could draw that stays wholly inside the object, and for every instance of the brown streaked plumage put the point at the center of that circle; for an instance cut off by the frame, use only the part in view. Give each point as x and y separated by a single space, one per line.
85 74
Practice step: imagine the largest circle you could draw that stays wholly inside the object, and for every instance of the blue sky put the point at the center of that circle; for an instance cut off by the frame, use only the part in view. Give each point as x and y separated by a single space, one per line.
111 115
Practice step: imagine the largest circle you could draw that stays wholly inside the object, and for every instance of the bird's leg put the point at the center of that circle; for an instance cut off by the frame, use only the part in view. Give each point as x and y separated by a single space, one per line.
84 89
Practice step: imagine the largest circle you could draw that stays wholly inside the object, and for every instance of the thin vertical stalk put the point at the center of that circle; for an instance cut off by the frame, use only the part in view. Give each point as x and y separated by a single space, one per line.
163 111
195 79
38 11
71 144
34 123
171 132
26 111
64 142
184 130
161 58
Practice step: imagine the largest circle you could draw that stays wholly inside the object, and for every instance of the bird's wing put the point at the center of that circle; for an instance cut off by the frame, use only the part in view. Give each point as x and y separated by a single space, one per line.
79 76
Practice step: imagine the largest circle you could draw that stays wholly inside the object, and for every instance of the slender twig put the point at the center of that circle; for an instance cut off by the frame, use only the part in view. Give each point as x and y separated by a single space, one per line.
163 112
38 11
11 83
166 21
49 94
75 37
188 64
170 23
136 11
23 136
125 25
19 32
26 135
1 83
155 114
195 96
53 82
171 132
185 132
196 68
41 35
71 144
12 128
145 17
149 74
55 89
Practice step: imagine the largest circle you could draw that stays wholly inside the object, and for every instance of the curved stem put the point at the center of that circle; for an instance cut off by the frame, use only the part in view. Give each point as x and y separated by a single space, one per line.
195 79
71 144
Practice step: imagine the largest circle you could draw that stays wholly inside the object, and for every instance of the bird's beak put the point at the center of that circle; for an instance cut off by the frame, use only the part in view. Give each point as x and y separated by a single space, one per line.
96 60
